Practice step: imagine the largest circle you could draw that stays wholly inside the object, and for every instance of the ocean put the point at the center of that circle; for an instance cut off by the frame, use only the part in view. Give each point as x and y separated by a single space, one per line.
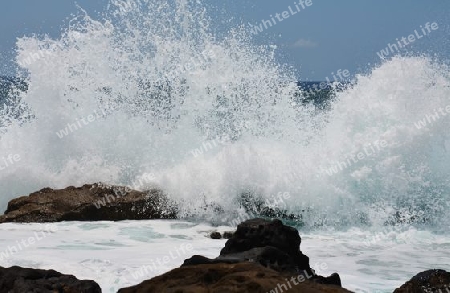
147 97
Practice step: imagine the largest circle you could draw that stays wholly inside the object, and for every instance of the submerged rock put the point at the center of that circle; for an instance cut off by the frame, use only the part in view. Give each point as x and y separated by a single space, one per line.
430 281
215 235
224 235
17 279
91 202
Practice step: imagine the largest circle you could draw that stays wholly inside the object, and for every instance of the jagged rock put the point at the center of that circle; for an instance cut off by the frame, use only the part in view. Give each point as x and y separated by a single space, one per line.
20 280
261 233
243 277
269 243
268 256
91 202
427 282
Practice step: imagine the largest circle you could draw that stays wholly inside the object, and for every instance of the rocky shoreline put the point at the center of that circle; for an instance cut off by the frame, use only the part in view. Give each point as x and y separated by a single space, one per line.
262 255
90 202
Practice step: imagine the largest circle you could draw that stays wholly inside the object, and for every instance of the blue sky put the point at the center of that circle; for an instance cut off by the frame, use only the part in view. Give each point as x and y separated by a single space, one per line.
326 36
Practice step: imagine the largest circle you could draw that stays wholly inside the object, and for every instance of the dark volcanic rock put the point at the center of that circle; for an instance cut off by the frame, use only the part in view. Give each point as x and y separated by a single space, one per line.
268 256
244 277
428 281
91 202
268 243
261 256
227 235
22 280
261 233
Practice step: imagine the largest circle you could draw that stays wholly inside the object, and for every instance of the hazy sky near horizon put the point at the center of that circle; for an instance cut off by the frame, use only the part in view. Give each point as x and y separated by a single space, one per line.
319 40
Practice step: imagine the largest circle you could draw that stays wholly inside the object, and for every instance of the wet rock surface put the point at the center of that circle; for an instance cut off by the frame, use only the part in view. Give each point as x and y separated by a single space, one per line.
260 256
241 277
268 243
430 281
91 202
23 280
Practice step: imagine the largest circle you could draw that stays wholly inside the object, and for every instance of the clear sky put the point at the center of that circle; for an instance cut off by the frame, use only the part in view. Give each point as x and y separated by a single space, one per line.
322 38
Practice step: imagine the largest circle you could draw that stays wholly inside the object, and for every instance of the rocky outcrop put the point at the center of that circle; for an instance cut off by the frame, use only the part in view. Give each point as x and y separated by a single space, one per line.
20 280
430 281
259 256
269 243
276 244
244 277
91 202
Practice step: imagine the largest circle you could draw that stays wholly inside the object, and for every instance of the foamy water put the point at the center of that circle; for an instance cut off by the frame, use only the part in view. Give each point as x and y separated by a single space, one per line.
167 88
118 255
